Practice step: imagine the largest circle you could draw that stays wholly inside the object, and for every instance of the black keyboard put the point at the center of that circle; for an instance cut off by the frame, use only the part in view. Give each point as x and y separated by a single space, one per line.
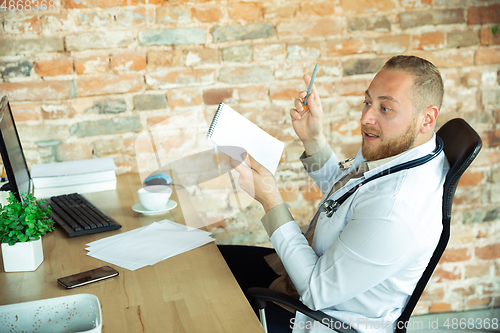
78 216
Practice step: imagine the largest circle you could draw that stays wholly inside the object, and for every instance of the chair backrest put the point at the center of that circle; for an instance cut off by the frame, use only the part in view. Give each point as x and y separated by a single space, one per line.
461 146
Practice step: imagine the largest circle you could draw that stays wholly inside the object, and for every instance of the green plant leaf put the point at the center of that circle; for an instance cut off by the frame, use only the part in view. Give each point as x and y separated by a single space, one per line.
494 29
20 223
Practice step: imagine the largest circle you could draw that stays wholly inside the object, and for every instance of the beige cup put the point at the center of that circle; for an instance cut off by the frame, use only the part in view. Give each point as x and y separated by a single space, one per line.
154 197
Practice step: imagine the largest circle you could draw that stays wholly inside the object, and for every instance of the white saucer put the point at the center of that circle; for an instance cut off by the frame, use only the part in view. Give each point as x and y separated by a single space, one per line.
139 208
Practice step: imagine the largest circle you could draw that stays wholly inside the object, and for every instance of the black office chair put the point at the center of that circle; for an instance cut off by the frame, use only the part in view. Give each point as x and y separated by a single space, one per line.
461 146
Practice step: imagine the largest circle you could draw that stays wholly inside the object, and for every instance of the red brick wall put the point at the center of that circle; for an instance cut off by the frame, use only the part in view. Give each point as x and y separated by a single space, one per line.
86 77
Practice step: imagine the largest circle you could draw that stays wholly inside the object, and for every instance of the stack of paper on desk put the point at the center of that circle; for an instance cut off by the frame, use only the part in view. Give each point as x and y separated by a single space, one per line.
148 245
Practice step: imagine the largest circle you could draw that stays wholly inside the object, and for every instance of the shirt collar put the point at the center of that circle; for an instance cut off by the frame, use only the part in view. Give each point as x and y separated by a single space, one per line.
374 164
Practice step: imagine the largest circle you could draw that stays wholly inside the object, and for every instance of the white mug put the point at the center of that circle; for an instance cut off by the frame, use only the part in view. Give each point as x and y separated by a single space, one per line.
154 197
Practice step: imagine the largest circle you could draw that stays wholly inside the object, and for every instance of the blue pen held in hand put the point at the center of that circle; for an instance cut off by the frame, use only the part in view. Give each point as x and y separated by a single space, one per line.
311 84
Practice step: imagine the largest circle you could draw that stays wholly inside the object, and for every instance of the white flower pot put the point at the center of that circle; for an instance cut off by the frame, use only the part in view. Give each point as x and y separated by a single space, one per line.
23 256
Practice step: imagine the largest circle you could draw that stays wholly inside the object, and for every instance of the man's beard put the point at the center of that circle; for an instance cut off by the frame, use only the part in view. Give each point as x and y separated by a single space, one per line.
394 146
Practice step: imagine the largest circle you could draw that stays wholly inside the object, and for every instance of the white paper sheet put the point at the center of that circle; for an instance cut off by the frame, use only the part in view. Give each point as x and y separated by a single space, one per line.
148 245
231 129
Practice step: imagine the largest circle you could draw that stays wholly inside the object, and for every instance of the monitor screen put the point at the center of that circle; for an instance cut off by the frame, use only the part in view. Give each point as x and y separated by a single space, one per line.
12 152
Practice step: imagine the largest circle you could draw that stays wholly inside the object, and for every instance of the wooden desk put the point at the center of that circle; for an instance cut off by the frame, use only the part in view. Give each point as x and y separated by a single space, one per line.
191 292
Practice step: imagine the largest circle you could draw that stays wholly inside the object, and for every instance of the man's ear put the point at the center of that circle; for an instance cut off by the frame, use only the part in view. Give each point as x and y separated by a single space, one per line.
430 115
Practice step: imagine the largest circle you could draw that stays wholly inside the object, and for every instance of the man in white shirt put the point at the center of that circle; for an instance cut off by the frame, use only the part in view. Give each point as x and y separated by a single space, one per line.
361 263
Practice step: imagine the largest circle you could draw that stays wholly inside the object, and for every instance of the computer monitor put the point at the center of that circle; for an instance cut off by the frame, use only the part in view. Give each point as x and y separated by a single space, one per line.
12 153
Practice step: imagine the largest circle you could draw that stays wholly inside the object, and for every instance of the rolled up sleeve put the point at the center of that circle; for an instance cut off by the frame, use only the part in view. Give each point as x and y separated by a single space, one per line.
276 217
318 160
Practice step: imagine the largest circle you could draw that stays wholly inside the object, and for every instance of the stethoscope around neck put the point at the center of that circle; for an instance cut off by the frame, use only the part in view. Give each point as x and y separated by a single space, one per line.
331 206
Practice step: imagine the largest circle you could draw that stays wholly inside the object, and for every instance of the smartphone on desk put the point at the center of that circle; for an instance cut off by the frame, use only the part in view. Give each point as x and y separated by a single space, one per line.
83 278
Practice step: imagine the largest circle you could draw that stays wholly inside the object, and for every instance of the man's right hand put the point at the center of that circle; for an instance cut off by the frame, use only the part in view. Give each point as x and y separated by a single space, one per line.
307 120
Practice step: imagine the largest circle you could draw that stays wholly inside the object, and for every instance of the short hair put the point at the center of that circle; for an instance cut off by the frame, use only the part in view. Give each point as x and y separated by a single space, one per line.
428 88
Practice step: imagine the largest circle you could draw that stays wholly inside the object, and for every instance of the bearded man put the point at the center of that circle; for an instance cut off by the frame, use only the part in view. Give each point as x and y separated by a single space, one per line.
360 263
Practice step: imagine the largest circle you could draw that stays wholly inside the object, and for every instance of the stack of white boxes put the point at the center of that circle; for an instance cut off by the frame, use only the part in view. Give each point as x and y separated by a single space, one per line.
82 176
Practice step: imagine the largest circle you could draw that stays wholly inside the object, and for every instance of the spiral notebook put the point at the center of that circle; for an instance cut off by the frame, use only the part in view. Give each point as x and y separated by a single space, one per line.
231 129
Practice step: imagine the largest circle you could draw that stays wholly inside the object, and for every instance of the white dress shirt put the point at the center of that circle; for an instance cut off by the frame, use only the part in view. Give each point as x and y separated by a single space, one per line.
366 259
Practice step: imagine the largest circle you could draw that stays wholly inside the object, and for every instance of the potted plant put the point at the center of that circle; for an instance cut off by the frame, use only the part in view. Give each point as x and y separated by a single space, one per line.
21 228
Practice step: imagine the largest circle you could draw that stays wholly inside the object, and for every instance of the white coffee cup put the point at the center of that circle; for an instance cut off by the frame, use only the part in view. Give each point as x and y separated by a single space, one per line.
154 197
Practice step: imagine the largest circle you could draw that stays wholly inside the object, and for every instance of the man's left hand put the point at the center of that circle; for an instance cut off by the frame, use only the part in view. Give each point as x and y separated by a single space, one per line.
258 182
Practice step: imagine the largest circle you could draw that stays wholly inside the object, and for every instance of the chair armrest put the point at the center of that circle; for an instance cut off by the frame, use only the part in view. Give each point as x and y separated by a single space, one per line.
262 295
